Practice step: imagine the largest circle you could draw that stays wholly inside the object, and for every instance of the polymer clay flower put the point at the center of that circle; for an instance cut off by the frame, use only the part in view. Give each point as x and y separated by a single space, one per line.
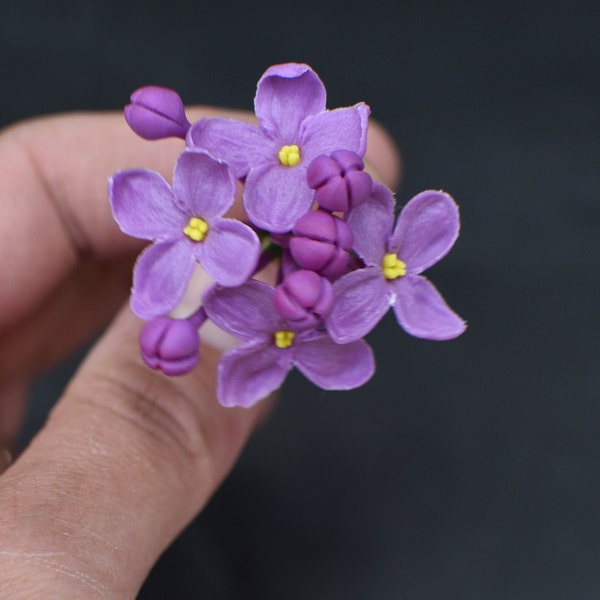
156 112
185 222
249 372
294 128
425 231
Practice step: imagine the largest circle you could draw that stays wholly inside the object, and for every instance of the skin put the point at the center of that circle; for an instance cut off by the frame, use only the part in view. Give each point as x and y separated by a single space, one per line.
128 457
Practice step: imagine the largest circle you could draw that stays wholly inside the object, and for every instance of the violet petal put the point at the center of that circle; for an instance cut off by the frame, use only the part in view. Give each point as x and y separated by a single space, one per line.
422 312
275 197
246 312
372 224
238 144
249 373
287 94
230 252
334 129
160 277
334 366
203 186
362 298
426 230
143 205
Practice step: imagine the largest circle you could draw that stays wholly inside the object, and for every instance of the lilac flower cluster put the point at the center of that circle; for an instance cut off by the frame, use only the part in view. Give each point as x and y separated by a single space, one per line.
311 205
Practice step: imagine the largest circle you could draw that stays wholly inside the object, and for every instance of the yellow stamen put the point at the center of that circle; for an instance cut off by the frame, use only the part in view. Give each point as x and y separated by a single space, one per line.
289 156
392 266
284 339
196 229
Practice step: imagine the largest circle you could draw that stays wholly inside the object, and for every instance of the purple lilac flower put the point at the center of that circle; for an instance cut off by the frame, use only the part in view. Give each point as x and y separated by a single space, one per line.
185 223
304 298
273 157
339 181
321 242
156 113
170 345
273 346
426 230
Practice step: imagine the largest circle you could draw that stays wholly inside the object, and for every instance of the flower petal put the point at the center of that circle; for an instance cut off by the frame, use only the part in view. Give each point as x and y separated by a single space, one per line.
334 366
339 129
203 186
246 312
249 373
275 197
422 312
238 144
362 298
160 277
143 205
287 94
372 224
230 252
426 230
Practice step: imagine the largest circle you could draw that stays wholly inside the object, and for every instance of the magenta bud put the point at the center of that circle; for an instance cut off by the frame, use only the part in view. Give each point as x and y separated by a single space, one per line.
170 345
156 113
304 298
339 181
321 243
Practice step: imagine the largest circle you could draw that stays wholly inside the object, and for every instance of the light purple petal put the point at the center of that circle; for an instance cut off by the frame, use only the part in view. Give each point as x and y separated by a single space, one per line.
160 277
275 197
334 366
238 144
249 373
143 206
426 230
246 312
203 186
422 312
362 298
287 94
372 224
230 252
339 129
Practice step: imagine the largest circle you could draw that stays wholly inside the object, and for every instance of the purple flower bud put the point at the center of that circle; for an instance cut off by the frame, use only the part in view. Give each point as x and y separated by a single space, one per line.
321 243
170 345
156 113
304 298
339 181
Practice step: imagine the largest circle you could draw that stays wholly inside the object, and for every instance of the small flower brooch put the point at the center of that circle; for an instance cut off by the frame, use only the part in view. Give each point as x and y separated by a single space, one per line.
311 206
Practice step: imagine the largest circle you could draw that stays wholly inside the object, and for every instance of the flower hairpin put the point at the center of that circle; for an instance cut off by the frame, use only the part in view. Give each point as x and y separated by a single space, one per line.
311 206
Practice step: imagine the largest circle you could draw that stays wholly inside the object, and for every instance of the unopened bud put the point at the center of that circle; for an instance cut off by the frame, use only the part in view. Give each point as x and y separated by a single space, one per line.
339 181
321 242
170 345
304 298
156 113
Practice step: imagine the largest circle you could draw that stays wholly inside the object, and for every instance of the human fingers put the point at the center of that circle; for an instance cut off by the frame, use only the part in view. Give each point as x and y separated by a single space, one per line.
127 458
66 266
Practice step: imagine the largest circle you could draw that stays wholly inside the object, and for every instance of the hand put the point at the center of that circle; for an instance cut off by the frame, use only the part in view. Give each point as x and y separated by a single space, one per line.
128 456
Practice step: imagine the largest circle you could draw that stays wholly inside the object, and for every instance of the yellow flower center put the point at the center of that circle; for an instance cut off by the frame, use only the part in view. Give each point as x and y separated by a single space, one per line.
289 156
284 339
196 229
392 266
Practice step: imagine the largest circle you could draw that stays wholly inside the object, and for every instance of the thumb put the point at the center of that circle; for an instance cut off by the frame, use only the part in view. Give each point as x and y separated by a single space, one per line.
127 458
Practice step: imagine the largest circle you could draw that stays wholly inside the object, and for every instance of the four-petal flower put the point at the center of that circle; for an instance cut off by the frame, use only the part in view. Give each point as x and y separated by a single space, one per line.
273 157
185 222
273 346
425 231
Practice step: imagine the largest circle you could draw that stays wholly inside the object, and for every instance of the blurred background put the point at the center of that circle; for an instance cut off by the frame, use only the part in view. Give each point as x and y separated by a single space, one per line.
466 469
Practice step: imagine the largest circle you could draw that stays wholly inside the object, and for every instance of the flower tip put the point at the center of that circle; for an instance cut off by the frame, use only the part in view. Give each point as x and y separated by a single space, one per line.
157 113
170 345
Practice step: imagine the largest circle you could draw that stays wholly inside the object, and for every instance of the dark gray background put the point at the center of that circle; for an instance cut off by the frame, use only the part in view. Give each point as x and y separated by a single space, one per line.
467 469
